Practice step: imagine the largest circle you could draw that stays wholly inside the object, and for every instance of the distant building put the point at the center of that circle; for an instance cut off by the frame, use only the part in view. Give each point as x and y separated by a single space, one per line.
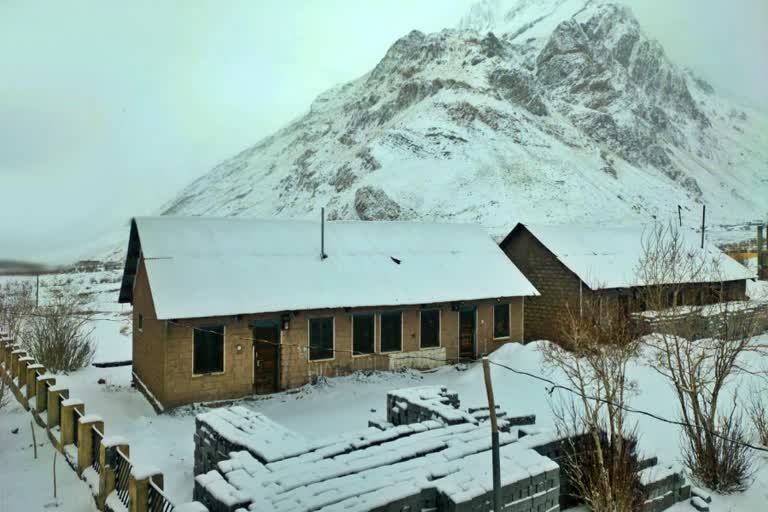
227 307
569 264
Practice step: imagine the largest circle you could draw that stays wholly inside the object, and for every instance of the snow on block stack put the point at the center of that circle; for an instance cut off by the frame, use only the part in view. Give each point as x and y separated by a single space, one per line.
414 405
223 431
438 461
664 486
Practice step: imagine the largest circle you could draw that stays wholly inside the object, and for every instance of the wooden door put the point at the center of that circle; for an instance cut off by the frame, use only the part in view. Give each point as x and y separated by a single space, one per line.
266 341
467 334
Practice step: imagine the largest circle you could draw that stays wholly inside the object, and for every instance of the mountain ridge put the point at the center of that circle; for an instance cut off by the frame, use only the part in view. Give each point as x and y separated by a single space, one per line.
587 122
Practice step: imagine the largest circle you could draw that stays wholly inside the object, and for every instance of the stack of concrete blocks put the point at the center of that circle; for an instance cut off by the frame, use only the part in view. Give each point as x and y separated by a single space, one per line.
664 486
414 405
436 458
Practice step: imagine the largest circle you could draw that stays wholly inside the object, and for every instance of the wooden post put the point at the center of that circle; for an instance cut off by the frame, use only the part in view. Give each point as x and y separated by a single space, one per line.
85 436
107 476
68 408
703 224
32 370
15 355
54 412
138 489
41 404
497 505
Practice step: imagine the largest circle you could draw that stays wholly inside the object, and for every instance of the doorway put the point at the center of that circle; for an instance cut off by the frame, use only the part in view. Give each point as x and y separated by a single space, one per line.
266 351
467 334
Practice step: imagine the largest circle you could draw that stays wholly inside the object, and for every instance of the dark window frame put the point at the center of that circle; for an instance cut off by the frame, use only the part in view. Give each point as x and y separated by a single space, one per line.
381 331
438 330
324 351
199 334
140 323
355 351
508 335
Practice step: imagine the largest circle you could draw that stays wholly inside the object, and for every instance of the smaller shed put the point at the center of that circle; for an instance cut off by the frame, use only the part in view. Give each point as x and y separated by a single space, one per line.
568 263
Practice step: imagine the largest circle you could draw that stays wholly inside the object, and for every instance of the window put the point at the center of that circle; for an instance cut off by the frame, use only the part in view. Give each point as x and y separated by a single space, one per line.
320 338
391 332
501 321
430 328
362 334
141 322
208 352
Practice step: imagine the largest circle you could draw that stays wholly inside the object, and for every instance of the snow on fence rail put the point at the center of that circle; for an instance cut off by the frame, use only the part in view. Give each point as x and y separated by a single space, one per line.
104 463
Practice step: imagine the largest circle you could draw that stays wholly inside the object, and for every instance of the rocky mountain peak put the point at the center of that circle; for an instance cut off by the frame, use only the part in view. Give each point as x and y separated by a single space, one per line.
539 110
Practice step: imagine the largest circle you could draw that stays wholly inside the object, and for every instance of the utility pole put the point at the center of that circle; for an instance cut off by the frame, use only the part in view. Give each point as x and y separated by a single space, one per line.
703 224
37 291
497 505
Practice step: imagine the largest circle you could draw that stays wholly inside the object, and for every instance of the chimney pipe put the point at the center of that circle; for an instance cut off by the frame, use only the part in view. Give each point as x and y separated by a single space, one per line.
322 234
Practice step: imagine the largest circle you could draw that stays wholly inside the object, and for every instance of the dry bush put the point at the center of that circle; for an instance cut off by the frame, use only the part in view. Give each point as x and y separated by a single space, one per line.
700 359
58 334
758 413
17 301
600 460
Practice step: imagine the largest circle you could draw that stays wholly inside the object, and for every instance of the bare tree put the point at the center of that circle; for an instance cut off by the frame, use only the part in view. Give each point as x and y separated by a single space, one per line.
58 333
600 463
17 301
699 351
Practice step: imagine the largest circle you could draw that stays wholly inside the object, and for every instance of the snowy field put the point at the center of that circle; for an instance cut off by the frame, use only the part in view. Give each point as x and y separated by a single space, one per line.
26 483
338 405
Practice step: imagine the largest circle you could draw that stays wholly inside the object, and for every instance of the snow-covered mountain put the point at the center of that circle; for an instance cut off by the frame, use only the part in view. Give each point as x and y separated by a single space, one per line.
534 110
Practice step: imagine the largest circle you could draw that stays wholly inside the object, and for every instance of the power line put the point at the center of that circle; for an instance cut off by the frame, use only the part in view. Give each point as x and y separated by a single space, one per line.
553 385
625 408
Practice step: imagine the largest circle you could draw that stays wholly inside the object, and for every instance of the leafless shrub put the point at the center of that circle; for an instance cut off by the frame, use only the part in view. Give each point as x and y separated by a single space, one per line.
17 300
600 460
758 413
699 354
58 334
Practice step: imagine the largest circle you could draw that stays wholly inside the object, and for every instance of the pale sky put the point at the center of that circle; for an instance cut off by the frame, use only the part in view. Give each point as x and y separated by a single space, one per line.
108 108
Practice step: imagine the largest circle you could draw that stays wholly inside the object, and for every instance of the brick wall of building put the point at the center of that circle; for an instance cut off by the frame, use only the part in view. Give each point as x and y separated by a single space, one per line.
545 315
149 341
180 386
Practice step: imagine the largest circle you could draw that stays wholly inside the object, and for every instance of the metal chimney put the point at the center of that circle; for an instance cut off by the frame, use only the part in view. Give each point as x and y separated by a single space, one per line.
322 234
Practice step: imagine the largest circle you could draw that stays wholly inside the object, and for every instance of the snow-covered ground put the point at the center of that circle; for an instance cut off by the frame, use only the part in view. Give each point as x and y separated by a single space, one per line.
337 405
26 483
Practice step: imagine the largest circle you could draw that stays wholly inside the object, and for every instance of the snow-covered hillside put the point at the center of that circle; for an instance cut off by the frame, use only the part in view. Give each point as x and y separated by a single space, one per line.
565 111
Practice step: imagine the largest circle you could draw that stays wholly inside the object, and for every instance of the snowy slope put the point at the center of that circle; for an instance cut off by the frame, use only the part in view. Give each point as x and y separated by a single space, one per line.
567 112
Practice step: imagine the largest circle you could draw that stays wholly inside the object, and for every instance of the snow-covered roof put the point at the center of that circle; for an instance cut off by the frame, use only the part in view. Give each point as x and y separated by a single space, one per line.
609 257
217 266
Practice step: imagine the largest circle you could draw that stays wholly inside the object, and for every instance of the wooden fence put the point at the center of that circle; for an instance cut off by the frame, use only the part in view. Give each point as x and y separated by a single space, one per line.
103 462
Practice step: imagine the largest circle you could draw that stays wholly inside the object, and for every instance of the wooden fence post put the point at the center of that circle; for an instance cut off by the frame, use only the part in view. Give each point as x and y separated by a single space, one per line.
85 436
42 395
15 355
107 477
67 416
32 370
138 487
54 412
